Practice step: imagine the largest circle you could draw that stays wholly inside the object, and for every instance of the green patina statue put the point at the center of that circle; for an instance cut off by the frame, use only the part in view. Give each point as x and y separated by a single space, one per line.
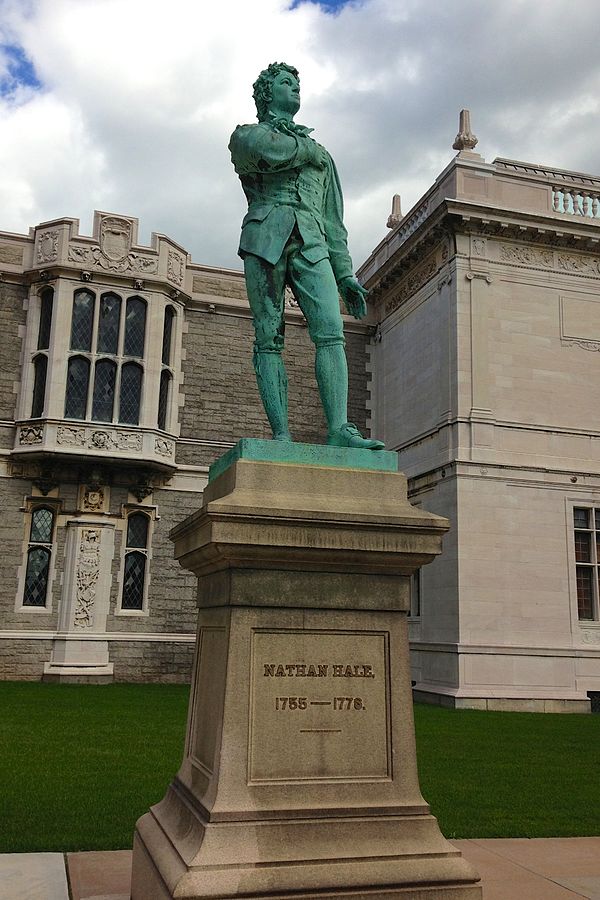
293 234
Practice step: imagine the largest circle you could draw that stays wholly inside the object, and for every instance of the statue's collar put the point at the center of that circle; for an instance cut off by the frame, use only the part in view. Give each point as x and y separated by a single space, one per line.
287 126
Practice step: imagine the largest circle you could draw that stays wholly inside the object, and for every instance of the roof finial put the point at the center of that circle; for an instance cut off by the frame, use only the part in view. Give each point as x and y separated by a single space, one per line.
465 139
395 216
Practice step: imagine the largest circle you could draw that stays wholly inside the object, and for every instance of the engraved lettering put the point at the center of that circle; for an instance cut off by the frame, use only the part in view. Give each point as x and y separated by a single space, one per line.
269 669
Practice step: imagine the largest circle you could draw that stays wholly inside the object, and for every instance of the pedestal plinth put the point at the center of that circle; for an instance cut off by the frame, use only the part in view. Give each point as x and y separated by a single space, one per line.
299 776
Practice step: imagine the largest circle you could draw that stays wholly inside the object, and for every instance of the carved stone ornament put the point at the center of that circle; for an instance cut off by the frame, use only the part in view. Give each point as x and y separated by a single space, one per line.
580 264
164 447
175 267
594 346
47 246
46 480
94 257
527 255
31 434
93 500
115 237
478 246
86 578
590 637
142 488
98 438
411 285
289 299
72 437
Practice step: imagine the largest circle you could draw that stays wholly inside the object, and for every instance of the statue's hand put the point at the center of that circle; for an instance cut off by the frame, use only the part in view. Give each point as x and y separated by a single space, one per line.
319 154
353 295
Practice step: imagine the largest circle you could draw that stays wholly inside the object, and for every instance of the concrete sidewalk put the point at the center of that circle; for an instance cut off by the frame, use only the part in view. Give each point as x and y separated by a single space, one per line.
511 869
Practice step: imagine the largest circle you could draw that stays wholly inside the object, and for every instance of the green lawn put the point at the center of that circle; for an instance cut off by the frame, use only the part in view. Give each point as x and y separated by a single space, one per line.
79 764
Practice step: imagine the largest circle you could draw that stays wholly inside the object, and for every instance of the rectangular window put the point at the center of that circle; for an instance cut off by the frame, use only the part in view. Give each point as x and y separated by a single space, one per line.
415 595
586 525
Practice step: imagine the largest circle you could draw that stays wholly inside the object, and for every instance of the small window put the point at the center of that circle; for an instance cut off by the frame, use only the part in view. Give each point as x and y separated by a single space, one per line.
46 304
40 366
167 335
135 327
78 379
587 560
82 322
163 399
136 561
39 553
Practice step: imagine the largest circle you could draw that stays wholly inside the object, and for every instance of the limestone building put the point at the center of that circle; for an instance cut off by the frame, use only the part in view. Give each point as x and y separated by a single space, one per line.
486 379
125 371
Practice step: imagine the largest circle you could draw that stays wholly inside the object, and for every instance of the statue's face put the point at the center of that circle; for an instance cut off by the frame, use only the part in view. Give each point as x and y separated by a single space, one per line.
285 91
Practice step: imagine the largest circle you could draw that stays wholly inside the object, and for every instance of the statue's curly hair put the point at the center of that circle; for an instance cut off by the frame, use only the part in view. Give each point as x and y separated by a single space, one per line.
263 86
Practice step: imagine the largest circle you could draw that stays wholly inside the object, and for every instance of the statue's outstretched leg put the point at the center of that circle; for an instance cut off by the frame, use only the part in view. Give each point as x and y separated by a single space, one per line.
272 383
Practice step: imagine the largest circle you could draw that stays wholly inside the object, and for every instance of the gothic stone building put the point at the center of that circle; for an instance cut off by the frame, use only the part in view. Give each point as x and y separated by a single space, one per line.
126 371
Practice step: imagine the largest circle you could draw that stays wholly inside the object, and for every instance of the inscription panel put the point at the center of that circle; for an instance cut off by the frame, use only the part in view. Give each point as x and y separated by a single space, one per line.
319 706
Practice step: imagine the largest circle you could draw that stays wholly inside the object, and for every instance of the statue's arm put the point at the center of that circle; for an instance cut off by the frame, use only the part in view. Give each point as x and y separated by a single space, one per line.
258 148
353 294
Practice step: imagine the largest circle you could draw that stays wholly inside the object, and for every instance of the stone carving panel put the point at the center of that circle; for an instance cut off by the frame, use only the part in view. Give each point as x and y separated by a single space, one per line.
31 434
411 285
115 238
86 579
527 256
98 438
93 499
47 247
164 447
94 257
175 267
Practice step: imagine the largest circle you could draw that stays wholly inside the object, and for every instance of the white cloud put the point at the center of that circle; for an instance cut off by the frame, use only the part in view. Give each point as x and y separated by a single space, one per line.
139 99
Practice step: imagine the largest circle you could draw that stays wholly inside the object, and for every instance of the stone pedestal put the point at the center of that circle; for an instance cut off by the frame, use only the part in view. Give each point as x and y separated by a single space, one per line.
299 776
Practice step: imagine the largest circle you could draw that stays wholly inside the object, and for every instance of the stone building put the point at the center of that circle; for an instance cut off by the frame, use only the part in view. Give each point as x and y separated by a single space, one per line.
126 370
486 379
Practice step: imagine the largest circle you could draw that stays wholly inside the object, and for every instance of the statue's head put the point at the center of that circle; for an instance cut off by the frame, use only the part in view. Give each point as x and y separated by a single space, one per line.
263 86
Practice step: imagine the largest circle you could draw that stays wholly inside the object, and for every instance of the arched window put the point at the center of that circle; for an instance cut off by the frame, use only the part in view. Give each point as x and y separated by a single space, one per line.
163 399
40 366
39 552
130 394
78 379
82 322
136 561
135 327
109 321
46 304
104 390
167 335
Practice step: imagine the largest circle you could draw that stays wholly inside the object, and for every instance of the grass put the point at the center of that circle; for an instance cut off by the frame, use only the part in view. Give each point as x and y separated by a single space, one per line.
79 764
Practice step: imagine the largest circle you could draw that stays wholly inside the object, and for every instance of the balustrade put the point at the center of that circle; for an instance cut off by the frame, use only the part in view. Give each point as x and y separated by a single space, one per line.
576 202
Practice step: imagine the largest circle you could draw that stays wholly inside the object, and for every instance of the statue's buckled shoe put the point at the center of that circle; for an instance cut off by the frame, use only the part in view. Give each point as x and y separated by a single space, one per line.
349 436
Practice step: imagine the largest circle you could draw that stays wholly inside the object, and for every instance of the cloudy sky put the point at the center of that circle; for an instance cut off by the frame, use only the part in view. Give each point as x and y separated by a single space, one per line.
127 105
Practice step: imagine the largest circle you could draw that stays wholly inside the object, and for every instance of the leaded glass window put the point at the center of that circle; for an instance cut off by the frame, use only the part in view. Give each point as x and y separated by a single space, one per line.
109 320
37 574
130 395
78 378
40 366
46 304
82 323
136 560
163 399
135 327
104 391
167 335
